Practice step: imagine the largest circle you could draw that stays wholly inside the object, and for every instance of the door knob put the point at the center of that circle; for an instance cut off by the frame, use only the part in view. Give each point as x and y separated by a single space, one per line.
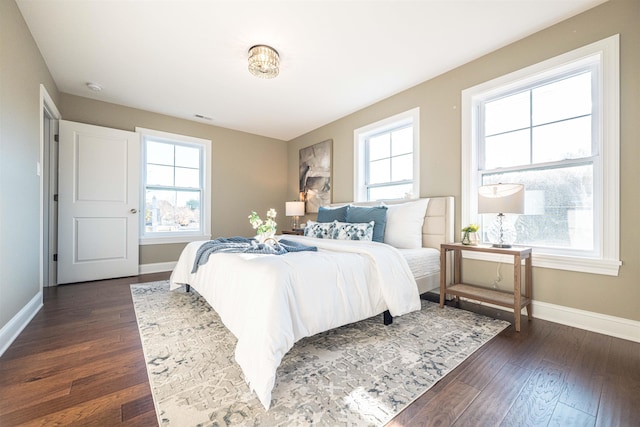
133 211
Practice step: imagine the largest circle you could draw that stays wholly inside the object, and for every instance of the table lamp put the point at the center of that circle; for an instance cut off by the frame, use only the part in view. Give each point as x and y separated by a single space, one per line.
296 210
501 199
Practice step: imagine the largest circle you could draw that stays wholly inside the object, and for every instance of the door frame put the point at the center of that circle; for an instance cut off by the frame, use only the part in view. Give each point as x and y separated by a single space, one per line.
47 169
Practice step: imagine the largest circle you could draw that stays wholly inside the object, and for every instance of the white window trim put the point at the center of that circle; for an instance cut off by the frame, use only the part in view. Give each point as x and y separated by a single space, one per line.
205 204
608 262
359 138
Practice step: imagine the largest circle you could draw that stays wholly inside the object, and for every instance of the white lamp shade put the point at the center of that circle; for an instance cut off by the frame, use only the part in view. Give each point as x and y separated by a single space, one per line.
294 208
501 198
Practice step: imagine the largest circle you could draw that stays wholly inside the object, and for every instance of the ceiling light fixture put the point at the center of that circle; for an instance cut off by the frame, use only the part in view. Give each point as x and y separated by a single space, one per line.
264 61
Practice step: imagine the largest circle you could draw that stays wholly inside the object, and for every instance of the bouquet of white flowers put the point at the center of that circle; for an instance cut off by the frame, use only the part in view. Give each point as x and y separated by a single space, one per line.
265 229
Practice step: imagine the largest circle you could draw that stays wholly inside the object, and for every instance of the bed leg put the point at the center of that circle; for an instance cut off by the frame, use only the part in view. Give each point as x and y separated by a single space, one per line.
187 288
387 318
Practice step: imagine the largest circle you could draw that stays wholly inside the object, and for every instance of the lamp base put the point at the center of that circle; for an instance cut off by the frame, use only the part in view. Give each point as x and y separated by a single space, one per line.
501 245
501 233
295 224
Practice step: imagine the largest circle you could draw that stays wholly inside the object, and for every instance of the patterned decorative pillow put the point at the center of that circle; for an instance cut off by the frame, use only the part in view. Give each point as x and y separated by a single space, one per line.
319 230
353 231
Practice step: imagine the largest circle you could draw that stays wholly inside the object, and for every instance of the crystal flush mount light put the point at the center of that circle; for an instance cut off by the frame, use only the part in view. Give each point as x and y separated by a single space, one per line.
264 61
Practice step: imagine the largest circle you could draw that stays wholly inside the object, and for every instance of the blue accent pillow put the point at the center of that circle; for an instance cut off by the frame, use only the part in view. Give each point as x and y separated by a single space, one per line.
332 214
378 214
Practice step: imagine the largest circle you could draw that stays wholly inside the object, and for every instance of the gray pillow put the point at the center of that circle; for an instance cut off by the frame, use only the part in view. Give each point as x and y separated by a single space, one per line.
378 214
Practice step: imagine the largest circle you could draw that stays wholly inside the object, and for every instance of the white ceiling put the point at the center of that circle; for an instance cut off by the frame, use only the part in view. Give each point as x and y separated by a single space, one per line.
188 57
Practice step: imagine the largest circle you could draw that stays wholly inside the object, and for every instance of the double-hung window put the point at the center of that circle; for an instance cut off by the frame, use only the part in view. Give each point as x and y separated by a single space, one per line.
552 127
387 156
175 196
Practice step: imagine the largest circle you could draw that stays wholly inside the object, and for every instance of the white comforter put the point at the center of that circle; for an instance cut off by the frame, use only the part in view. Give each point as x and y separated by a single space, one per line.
271 301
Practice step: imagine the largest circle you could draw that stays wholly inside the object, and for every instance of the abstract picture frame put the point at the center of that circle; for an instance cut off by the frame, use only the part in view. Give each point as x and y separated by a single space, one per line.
315 175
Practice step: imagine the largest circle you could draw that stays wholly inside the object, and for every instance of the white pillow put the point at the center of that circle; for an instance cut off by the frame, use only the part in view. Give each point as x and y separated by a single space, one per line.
404 224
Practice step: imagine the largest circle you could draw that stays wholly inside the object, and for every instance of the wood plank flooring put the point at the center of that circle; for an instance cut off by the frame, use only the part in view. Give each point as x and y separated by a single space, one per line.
80 363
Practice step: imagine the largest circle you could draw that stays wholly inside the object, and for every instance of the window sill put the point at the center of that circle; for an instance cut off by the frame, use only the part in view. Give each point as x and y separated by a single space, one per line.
172 239
607 267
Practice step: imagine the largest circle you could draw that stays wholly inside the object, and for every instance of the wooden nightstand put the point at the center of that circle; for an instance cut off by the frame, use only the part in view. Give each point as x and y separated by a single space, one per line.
298 232
513 299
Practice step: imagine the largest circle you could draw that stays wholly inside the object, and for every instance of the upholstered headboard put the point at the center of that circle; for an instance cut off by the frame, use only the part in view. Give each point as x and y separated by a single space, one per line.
438 220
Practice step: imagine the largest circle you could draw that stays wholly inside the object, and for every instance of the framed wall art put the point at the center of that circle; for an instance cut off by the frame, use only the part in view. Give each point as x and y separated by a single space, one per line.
315 175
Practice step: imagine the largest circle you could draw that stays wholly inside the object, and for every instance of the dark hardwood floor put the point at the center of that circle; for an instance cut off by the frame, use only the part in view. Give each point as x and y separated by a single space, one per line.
80 362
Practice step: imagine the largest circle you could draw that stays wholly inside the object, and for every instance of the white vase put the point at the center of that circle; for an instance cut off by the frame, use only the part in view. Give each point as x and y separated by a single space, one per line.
262 237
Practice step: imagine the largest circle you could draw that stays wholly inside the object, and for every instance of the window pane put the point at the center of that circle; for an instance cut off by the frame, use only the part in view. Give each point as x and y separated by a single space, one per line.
167 210
563 99
390 192
402 141
159 212
379 147
159 175
188 157
559 209
402 167
379 172
188 210
160 153
187 178
570 139
508 149
507 114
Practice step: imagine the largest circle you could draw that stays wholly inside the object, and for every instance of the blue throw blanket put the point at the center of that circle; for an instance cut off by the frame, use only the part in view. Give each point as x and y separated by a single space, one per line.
245 245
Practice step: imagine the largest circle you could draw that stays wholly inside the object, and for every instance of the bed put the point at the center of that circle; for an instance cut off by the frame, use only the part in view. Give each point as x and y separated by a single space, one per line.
271 301
437 228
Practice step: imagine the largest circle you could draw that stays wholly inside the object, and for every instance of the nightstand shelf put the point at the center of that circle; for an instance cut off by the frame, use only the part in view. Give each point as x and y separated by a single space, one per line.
514 300
501 298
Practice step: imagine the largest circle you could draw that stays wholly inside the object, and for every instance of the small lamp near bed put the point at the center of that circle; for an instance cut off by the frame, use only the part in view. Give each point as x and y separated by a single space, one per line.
501 199
296 210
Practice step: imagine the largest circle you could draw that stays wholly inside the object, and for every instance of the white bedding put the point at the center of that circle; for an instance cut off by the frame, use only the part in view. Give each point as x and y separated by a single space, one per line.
271 301
423 261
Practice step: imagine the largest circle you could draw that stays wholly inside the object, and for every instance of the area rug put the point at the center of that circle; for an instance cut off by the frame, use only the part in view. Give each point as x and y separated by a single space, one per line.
360 374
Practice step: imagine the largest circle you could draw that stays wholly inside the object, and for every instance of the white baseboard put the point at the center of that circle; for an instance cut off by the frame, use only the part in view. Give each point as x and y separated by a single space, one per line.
12 329
157 267
595 322
601 323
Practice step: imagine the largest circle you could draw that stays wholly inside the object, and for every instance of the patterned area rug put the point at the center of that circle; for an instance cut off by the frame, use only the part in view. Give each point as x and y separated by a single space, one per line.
360 374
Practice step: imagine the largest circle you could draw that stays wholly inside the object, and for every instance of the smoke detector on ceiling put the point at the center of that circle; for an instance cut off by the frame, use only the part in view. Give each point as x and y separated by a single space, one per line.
95 87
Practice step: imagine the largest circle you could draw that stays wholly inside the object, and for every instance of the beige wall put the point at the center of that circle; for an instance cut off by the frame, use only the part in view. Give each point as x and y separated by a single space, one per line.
440 122
249 171
22 70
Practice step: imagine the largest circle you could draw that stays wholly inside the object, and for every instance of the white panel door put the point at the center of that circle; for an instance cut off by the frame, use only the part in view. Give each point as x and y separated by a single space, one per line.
98 187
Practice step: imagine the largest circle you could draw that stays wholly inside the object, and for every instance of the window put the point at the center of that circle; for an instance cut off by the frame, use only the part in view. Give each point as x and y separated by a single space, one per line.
554 128
387 158
175 195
